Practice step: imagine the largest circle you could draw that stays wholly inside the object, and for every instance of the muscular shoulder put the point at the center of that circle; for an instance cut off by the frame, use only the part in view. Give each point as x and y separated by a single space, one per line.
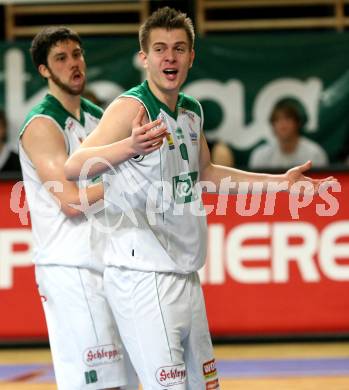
123 109
40 131
48 108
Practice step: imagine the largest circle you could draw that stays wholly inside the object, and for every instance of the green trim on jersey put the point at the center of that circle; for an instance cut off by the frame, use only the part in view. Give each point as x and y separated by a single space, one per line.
91 108
144 94
52 107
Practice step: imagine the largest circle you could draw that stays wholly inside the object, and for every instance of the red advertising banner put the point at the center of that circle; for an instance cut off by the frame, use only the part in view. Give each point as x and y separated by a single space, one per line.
20 307
283 273
277 264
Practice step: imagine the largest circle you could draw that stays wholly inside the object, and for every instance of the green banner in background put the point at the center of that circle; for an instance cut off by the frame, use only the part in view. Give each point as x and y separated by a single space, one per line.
237 77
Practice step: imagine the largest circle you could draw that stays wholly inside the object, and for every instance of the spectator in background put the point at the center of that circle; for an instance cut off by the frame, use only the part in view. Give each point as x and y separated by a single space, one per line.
289 147
9 160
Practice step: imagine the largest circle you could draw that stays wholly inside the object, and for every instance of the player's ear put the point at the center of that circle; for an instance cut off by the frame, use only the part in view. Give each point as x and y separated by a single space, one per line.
43 70
192 57
142 57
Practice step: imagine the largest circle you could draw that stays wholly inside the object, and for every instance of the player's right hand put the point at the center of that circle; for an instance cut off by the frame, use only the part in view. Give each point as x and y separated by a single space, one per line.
146 138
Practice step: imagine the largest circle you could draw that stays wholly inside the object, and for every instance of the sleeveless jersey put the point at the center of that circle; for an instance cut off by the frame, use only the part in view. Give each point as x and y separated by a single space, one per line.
57 238
153 202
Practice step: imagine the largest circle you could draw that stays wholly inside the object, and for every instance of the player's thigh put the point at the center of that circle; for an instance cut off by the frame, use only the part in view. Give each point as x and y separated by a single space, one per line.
153 314
85 344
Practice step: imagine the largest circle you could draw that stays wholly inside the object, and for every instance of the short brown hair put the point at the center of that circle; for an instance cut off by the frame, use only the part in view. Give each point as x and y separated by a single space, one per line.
167 18
46 39
290 109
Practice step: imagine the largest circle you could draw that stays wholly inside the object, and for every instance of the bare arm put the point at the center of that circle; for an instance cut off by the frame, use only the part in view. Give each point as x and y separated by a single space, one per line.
45 146
216 173
123 132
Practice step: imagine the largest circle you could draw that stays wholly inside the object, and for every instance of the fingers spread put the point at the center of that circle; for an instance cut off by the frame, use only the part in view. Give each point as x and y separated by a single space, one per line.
305 166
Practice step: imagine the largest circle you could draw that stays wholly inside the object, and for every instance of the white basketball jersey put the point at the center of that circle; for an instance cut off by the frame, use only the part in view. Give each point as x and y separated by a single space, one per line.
59 239
153 203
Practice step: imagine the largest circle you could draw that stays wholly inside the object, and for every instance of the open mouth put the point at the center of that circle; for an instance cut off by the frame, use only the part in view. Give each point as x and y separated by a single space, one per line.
77 76
170 73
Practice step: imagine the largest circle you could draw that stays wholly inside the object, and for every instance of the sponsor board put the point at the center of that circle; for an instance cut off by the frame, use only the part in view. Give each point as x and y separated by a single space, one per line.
264 274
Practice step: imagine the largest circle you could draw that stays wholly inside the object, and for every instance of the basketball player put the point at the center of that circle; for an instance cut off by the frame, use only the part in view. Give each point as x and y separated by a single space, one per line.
152 135
85 344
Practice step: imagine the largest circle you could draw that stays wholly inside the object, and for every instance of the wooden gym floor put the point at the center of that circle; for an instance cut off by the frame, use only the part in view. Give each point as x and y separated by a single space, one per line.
303 366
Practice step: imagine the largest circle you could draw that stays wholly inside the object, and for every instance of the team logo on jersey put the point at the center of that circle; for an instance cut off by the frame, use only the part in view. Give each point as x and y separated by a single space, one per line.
210 373
183 187
179 133
102 354
171 375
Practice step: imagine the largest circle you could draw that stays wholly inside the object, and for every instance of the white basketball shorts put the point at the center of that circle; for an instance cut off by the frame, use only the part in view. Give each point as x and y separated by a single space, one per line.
163 325
85 344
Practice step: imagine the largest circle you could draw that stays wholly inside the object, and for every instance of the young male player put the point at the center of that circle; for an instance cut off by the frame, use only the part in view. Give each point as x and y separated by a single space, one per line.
152 136
85 344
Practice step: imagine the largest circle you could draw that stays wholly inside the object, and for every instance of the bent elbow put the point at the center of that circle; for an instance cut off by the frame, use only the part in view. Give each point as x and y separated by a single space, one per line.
71 171
71 212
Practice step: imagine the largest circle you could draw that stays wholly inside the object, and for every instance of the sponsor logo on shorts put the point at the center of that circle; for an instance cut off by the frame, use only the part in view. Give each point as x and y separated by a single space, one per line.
212 385
171 375
210 374
209 369
102 354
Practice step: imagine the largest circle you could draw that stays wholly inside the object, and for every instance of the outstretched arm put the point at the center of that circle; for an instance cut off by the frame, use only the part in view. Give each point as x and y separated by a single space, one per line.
216 173
123 132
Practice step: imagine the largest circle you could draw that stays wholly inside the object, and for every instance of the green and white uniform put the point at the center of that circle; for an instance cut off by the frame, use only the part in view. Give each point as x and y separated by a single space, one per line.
154 200
55 235
85 344
157 245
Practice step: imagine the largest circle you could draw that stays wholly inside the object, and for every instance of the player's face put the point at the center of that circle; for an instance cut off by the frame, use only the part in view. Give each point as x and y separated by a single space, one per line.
168 60
285 128
66 67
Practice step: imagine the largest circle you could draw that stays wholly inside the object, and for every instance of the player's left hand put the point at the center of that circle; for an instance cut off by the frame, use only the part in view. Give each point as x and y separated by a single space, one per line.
295 175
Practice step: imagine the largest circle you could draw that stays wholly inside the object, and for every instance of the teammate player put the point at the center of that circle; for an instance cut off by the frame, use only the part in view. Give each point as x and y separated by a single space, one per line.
85 344
152 135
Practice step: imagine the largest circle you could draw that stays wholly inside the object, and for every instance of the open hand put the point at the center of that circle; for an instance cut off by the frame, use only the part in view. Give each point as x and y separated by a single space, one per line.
295 175
146 138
